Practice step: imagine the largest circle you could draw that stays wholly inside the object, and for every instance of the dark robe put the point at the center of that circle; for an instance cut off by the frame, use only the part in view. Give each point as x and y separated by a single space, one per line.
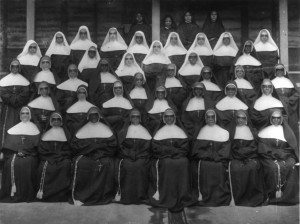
75 121
94 170
164 34
114 57
268 60
55 158
87 74
76 56
213 30
144 27
29 71
177 60
187 33
154 74
59 66
24 168
207 60
65 98
221 69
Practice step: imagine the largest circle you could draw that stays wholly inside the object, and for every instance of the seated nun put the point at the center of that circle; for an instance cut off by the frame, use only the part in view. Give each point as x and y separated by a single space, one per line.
88 65
210 156
116 110
247 58
66 91
278 149
94 146
29 59
134 161
267 52
138 47
154 65
113 47
191 69
127 69
59 52
202 48
224 54
80 44
175 49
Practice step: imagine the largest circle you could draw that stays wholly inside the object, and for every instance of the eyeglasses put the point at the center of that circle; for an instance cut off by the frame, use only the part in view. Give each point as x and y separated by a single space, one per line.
169 116
210 116
45 62
135 116
41 88
264 35
267 86
83 32
32 47
14 66
73 70
277 118
56 119
59 37
241 117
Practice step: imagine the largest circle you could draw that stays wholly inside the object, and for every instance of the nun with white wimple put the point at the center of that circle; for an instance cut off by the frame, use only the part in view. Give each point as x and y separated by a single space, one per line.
191 68
224 53
138 47
202 47
245 88
15 93
279 153
89 63
134 161
29 59
66 91
227 107
20 161
247 58
170 183
59 52
267 52
267 101
80 44
94 146
116 110
127 69
175 49
43 105
113 47
154 64
210 156
288 94
55 153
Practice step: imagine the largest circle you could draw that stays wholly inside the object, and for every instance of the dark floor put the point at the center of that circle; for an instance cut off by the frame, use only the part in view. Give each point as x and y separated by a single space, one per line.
63 213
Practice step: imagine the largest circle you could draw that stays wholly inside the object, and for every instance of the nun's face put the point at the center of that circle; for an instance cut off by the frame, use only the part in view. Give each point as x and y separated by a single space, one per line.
230 91
128 60
169 119
94 117
139 79
188 17
160 94
226 40
45 64
241 119
56 121
32 48
92 52
280 72
171 71
59 38
193 59
135 119
118 90
267 88
139 18
139 39
156 48
197 91
213 16
44 90
276 120
14 67
200 40
72 71
168 22
25 115
206 74
264 37
240 73
113 35
81 94
173 40
83 34
210 118
247 48
104 67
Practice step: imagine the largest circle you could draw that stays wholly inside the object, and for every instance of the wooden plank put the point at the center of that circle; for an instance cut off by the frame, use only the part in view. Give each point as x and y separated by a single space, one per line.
30 19
155 20
283 28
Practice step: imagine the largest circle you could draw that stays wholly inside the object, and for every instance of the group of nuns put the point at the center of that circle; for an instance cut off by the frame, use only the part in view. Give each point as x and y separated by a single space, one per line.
166 126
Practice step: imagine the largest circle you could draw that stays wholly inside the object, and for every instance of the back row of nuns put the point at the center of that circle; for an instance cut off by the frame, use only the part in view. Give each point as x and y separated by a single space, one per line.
95 130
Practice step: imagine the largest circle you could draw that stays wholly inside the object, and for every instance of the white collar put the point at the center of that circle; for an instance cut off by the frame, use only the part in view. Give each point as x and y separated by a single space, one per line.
118 102
274 132
58 49
266 102
247 59
138 132
91 130
169 132
24 128
55 134
225 51
161 59
87 62
138 93
159 106
243 132
172 82
82 45
195 104
188 69
265 47
45 75
213 133
42 103
124 70
243 83
138 48
29 59
282 82
107 77
204 49
210 86
113 46
71 84
231 103
79 107
14 80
